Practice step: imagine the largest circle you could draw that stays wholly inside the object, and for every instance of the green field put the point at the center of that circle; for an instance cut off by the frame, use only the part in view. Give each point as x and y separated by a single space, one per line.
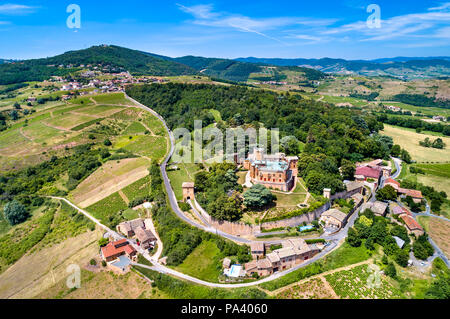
135 128
185 173
154 147
108 207
203 263
114 98
138 189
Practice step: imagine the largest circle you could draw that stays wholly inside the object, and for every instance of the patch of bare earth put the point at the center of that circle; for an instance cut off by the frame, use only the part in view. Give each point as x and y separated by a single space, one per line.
439 230
36 272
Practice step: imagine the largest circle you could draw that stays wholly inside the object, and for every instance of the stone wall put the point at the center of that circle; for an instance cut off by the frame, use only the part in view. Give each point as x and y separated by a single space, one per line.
297 220
232 228
240 229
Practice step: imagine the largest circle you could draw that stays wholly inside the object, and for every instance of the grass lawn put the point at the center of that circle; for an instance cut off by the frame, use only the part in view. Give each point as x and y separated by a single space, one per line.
155 125
203 262
134 128
177 178
130 214
410 141
114 98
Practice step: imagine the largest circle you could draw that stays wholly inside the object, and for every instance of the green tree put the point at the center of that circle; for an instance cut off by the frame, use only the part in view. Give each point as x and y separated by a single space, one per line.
348 169
390 270
353 238
258 196
107 142
387 193
15 213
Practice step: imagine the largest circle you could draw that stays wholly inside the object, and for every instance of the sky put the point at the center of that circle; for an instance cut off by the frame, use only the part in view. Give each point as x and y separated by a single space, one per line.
230 28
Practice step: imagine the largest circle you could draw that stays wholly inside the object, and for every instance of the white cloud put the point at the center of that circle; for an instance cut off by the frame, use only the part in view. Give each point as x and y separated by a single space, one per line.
442 7
11 8
206 16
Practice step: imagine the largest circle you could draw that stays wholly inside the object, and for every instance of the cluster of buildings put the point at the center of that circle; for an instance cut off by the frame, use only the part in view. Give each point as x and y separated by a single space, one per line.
415 194
276 171
293 252
407 217
140 230
372 172
334 219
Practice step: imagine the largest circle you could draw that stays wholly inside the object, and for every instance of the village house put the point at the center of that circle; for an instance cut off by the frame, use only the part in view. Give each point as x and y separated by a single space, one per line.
257 250
333 218
276 171
412 225
415 194
146 238
366 173
128 228
377 207
114 250
293 252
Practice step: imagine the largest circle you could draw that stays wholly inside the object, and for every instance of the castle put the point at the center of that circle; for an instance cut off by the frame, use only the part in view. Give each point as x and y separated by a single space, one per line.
276 171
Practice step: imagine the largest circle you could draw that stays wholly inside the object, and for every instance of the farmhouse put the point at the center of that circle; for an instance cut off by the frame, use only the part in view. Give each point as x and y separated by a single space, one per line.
128 228
114 250
257 250
276 171
415 194
377 207
333 218
412 225
365 173
293 252
146 238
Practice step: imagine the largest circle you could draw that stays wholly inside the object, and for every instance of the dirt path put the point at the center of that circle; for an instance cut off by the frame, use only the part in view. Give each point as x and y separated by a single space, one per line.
56 127
124 197
328 287
145 125
24 135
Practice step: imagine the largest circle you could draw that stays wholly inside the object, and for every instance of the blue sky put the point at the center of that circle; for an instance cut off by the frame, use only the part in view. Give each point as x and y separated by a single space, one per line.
229 28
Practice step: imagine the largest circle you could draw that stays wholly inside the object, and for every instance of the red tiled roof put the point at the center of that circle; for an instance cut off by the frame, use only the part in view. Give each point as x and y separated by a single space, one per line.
368 172
392 181
411 192
410 222
114 249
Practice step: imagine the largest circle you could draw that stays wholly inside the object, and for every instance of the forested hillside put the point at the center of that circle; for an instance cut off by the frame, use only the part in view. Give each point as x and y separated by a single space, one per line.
221 68
121 59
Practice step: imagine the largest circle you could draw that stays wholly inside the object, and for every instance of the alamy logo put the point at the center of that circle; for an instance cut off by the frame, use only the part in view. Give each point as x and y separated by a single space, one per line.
74 19
374 20
74 279
374 279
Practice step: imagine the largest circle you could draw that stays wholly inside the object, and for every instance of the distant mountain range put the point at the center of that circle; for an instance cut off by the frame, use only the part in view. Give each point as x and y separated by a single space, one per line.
401 67
240 70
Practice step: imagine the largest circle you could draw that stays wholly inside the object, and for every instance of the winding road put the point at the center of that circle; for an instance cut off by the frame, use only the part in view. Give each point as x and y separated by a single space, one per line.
334 240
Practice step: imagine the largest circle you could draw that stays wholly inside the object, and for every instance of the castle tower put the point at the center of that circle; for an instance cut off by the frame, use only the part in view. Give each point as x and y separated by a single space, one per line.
327 193
188 191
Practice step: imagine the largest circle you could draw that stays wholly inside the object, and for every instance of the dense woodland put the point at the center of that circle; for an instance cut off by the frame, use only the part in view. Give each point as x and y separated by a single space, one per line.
421 100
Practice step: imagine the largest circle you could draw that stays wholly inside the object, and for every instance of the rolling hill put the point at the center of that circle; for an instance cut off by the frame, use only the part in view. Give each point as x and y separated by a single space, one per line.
114 57
404 68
